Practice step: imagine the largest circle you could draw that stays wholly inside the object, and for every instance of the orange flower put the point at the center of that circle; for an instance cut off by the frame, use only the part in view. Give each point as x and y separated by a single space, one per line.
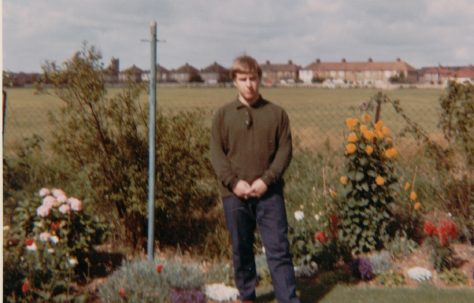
351 122
379 125
390 153
332 193
369 150
417 206
407 186
368 134
350 148
413 196
352 137
366 117
386 131
363 128
343 180
379 180
159 268
379 133
122 293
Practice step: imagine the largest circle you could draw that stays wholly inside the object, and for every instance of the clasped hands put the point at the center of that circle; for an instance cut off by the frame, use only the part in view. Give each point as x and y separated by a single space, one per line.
244 190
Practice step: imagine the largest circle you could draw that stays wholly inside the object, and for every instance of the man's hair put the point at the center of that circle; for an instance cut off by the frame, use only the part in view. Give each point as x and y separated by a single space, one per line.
245 65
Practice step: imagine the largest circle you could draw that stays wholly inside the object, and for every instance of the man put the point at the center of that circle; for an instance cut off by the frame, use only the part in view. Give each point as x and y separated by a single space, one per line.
250 150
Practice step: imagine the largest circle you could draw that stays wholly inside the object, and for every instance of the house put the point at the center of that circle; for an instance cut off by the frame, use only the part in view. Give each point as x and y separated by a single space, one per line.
132 73
357 72
215 73
276 73
443 74
465 74
111 72
185 74
162 74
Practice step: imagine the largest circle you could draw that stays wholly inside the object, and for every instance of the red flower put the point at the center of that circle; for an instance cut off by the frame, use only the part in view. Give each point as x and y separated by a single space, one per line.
122 293
321 237
25 286
159 268
429 228
55 225
29 242
333 226
447 230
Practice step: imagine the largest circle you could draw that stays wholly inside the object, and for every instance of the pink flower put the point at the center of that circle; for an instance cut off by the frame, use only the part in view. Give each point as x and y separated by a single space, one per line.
76 204
44 192
30 245
57 193
49 201
65 209
44 236
122 293
61 198
43 211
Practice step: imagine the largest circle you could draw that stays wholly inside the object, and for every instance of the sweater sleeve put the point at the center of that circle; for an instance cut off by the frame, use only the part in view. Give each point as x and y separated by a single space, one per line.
219 160
283 154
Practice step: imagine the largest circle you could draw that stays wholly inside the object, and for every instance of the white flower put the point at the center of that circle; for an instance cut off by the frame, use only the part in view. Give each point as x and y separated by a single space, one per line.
49 201
76 204
6 227
299 215
44 192
50 250
73 261
317 217
419 274
43 211
221 292
263 249
31 247
54 239
65 209
44 236
57 192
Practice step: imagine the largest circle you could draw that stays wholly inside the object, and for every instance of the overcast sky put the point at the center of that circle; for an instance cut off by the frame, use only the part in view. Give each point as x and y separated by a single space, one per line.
421 32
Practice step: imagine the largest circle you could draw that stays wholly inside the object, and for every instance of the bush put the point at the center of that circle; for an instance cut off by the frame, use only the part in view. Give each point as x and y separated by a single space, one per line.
50 243
106 138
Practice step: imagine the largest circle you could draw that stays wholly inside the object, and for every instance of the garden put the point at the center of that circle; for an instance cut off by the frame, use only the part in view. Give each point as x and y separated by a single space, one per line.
368 221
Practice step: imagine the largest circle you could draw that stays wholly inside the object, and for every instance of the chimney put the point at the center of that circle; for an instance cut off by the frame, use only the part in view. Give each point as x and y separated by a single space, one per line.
290 62
318 60
343 60
267 62
370 59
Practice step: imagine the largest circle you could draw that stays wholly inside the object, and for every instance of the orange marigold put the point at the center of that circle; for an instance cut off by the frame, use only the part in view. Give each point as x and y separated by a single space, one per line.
413 196
369 150
352 137
366 117
390 153
363 128
379 125
417 206
332 193
350 148
351 122
379 180
386 131
343 180
407 186
368 134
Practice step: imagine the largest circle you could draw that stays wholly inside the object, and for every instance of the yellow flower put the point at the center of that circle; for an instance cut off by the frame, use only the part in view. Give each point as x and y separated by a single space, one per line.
407 186
368 134
379 180
352 137
379 125
351 122
390 153
369 150
332 193
417 206
363 128
366 117
350 148
413 196
386 131
343 180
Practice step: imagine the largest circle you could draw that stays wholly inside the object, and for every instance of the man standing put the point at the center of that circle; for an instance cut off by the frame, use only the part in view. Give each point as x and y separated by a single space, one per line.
250 150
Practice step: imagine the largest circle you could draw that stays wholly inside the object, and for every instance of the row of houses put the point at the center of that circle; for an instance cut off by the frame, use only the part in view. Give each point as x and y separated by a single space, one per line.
345 72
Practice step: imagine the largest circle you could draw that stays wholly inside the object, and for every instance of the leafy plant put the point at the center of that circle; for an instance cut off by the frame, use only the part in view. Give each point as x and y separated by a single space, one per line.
453 277
220 272
438 240
367 184
400 245
183 275
391 279
380 262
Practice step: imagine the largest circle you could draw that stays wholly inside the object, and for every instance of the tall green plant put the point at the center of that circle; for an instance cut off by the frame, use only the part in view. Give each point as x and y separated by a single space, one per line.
367 193
105 136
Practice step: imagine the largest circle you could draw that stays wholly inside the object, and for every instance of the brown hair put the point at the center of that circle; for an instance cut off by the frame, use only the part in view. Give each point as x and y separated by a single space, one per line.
246 65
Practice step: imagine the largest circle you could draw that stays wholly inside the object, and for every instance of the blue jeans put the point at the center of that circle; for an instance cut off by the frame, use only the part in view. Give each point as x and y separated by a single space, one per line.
269 214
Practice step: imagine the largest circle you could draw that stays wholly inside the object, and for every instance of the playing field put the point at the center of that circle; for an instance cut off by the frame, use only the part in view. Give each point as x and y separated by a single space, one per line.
316 114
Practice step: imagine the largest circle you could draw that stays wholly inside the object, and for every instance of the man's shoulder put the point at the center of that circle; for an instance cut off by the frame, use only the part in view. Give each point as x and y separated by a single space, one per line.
272 106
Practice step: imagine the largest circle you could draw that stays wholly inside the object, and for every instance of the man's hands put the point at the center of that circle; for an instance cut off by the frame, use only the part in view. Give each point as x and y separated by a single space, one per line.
244 190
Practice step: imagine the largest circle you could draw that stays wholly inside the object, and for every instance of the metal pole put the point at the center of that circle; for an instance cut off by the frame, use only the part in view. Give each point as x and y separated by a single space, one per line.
151 143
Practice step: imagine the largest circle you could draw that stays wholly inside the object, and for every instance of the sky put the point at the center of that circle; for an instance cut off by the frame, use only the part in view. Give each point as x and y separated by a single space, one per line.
201 32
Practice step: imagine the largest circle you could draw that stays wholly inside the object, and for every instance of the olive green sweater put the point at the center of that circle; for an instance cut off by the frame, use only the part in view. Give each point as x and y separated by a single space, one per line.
248 143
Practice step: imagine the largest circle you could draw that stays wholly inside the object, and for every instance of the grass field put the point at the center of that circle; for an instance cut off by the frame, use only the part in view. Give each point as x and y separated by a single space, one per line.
316 114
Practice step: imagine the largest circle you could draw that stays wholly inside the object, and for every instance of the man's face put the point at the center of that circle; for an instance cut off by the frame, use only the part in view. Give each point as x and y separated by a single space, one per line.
247 85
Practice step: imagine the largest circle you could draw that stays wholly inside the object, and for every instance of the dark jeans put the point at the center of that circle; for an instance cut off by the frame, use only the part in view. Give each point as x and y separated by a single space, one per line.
269 214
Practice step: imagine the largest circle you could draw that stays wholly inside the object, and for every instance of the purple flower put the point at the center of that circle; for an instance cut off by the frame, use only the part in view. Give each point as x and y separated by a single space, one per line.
362 268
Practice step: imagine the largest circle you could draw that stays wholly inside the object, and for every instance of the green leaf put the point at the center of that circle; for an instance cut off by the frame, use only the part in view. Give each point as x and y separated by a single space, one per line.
359 176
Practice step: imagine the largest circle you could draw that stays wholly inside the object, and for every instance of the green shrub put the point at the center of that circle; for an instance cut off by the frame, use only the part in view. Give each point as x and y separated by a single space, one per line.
400 245
391 279
367 184
106 137
220 272
453 277
136 281
183 275
381 262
